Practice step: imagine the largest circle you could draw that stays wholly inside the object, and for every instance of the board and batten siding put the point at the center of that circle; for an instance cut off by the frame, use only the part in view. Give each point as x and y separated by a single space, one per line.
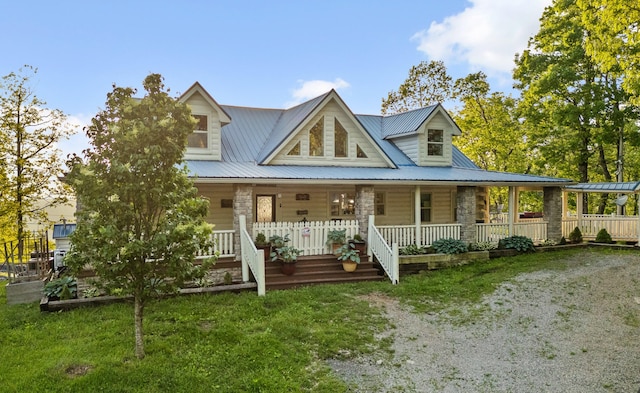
200 106
356 138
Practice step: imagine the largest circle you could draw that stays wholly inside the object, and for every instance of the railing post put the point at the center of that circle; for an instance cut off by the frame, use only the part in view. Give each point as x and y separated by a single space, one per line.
396 264
242 220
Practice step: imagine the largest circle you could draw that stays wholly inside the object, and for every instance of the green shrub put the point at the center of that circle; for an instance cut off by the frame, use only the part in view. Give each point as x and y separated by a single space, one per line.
563 241
482 246
519 243
412 249
54 289
603 236
575 236
548 242
450 246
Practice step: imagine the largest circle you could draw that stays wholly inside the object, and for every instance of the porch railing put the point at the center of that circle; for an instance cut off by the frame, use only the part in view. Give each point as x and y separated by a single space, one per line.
619 227
386 256
405 235
310 237
223 245
535 230
251 258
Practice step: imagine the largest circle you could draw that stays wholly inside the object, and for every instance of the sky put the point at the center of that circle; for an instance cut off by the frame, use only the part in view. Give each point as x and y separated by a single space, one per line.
269 54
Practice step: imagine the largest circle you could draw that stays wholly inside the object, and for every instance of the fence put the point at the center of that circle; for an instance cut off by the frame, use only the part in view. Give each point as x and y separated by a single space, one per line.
619 227
36 258
310 237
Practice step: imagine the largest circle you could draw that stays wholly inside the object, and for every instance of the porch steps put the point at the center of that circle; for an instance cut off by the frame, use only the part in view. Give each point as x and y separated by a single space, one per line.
319 269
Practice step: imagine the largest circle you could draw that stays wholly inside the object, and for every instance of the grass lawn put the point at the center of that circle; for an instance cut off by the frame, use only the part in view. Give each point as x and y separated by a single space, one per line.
228 342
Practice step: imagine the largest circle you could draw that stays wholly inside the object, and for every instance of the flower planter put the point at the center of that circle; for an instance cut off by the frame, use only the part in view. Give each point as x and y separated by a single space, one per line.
349 266
415 263
288 268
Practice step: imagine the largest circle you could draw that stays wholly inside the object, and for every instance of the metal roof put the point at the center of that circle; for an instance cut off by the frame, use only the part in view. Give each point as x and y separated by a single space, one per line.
604 187
250 172
406 122
63 230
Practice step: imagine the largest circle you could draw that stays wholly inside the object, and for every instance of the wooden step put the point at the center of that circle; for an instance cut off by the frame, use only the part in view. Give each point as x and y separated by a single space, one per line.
319 269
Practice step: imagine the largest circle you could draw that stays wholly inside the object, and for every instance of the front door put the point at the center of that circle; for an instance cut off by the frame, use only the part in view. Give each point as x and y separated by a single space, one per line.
265 208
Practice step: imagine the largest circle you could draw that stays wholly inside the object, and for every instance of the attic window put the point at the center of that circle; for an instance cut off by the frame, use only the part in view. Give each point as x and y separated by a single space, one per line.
360 153
341 139
435 142
199 137
316 139
295 151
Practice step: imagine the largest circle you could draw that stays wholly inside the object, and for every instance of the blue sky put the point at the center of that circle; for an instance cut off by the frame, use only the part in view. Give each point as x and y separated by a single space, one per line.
269 54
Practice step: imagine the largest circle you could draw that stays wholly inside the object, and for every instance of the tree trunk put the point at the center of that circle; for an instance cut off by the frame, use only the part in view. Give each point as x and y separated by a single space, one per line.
138 313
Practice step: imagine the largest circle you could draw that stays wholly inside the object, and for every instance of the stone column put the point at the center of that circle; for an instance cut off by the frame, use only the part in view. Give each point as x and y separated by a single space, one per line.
242 204
365 202
553 212
466 202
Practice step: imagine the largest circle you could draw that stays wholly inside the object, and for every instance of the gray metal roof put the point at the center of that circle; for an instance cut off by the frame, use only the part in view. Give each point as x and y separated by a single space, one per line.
250 172
405 123
620 188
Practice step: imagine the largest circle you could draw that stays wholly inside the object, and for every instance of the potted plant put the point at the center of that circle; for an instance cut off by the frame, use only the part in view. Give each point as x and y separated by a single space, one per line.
359 244
336 238
288 256
349 257
262 244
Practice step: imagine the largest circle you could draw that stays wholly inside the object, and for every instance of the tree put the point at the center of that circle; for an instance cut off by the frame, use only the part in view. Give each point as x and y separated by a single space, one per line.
571 108
29 160
614 39
427 84
141 222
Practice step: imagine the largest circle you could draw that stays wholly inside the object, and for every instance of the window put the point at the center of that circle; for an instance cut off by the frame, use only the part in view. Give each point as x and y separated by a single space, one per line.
199 137
360 153
425 207
379 204
316 139
341 140
435 142
295 151
343 204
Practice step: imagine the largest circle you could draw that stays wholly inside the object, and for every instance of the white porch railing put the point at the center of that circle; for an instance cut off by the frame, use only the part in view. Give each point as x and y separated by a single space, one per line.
535 230
224 242
310 237
619 227
405 235
387 256
251 258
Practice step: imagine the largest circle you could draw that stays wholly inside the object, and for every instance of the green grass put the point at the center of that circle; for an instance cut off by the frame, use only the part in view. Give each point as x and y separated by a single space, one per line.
229 342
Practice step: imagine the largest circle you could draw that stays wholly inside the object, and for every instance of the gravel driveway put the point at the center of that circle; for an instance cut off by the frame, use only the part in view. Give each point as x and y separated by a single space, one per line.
576 330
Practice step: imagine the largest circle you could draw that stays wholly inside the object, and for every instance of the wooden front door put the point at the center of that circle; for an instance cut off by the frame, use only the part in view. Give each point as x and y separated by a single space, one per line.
265 208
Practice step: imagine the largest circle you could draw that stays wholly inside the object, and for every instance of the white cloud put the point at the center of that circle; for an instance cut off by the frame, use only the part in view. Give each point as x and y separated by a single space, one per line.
312 89
78 141
486 35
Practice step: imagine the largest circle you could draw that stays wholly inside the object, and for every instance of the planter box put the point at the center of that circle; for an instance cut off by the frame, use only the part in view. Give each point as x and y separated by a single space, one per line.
416 263
24 292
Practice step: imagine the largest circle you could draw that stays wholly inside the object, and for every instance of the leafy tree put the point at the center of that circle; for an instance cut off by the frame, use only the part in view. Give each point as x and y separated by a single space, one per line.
427 84
141 222
29 160
572 109
614 39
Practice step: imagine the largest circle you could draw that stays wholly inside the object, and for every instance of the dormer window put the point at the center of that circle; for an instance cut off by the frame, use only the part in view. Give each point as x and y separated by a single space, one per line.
435 142
199 137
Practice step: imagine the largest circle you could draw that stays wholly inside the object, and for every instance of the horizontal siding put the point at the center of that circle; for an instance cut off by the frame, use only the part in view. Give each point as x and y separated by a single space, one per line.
409 146
222 218
399 206
199 106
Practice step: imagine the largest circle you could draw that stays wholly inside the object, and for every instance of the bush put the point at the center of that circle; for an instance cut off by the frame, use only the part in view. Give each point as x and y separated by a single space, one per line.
450 246
61 288
519 243
482 246
412 249
575 236
603 236
563 241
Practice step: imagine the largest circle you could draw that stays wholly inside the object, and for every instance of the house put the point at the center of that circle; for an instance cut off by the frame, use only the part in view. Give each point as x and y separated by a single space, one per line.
319 162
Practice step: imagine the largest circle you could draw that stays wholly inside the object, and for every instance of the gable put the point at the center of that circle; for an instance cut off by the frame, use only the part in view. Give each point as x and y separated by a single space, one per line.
330 136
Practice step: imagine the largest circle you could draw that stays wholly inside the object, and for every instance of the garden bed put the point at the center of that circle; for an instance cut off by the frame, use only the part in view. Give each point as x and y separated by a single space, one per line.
410 264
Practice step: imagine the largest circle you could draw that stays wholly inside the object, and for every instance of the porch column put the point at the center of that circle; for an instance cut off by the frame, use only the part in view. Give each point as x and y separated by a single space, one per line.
417 217
365 207
553 212
242 205
512 209
579 208
466 202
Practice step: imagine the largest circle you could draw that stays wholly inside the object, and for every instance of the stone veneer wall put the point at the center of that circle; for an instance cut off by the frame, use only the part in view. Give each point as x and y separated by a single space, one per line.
242 205
466 203
553 212
365 200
